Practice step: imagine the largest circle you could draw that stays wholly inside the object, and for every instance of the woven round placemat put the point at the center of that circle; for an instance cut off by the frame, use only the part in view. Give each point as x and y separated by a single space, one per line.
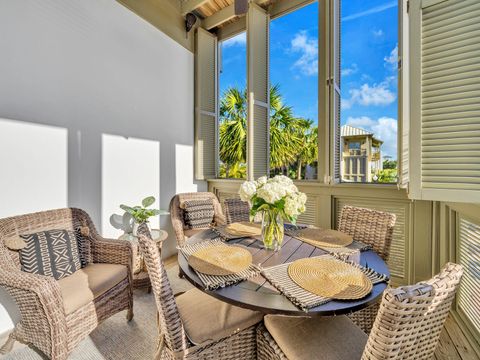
244 229
220 260
330 278
325 238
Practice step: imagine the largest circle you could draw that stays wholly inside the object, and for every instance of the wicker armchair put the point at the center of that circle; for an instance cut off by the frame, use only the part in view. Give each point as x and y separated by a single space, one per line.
195 325
53 317
376 229
236 210
408 326
176 214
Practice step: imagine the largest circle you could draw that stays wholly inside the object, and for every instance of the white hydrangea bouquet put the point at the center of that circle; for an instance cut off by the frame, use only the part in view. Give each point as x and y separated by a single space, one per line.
277 199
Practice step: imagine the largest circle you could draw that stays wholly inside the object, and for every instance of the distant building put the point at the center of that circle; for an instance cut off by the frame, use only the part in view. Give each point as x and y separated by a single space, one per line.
360 155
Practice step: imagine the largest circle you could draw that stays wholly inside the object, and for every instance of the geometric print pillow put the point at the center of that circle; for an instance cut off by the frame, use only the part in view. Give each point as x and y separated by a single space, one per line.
50 253
198 213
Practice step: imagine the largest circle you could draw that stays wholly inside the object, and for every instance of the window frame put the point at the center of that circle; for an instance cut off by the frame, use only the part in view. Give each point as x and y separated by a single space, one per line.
326 134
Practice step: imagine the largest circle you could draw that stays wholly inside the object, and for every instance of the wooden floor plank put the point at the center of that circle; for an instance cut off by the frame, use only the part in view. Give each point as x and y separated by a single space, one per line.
459 340
445 349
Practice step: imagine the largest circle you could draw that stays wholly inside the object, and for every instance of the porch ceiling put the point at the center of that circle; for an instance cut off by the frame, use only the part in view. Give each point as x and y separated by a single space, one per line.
215 13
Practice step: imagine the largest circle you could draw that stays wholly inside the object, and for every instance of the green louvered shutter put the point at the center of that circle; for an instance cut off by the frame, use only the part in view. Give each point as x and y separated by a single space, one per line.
258 118
206 114
445 100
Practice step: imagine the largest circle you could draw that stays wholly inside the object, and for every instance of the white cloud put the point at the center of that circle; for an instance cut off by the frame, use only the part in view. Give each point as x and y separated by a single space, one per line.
377 33
366 95
350 71
384 129
240 39
370 11
391 60
307 47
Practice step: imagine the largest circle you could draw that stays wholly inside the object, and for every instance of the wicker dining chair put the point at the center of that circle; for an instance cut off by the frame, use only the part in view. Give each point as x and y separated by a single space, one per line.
177 214
374 228
195 325
236 210
57 314
408 326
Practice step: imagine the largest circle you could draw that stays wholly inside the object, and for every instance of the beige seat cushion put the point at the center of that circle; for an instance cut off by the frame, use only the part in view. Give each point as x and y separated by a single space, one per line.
326 338
190 232
88 283
206 318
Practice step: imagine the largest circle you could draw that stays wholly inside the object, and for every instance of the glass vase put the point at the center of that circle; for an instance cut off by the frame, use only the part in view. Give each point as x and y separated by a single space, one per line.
272 230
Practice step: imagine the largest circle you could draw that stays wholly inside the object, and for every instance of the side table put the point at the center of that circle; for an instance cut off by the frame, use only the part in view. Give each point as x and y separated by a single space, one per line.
140 274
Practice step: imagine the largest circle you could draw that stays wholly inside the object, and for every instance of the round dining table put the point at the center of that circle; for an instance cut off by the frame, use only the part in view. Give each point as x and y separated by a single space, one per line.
257 294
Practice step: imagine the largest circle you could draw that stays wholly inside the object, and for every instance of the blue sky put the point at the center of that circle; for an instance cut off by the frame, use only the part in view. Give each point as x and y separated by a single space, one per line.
369 57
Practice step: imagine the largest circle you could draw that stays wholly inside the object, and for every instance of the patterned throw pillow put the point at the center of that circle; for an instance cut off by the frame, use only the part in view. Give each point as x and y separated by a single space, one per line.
198 213
51 253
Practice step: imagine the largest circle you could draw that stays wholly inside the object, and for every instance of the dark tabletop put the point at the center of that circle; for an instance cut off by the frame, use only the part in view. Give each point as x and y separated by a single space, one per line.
257 294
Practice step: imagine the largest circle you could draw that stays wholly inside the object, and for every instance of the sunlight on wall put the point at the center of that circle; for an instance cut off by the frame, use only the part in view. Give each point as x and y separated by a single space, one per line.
34 163
130 172
184 169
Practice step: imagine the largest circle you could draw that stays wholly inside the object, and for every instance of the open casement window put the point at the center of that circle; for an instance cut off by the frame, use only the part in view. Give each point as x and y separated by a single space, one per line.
206 114
444 99
333 85
258 117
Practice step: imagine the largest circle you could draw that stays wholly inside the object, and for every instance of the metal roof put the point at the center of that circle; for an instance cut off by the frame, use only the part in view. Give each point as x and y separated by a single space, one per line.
348 130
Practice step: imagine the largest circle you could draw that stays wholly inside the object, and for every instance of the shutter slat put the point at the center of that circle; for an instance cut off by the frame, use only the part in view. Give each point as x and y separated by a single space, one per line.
463 19
448 126
448 34
452 90
451 137
447 10
452 166
469 258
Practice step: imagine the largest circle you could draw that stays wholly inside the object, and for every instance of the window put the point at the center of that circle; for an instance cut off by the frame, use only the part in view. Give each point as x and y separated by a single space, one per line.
294 93
354 145
368 117
233 107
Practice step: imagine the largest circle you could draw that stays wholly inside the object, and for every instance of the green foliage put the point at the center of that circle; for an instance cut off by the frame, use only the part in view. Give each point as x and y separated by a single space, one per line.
389 164
387 176
140 213
293 141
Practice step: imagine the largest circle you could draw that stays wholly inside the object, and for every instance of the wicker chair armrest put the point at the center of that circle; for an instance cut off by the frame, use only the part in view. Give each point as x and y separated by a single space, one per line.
111 251
220 219
40 303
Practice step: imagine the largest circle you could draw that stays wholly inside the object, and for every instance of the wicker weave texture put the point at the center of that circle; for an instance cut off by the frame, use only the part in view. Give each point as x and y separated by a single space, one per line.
44 323
411 318
176 212
173 342
374 228
236 210
408 324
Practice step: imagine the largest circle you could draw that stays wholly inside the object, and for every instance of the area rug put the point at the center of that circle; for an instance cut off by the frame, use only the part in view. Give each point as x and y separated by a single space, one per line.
116 338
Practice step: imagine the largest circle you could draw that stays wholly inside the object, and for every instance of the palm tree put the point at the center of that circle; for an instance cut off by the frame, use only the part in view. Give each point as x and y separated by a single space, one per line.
308 153
288 134
284 140
233 125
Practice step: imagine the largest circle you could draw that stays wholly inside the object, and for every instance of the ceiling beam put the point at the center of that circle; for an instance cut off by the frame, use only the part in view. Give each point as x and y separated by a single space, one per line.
219 17
190 5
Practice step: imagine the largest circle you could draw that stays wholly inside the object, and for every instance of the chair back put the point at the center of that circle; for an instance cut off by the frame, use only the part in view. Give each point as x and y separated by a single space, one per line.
177 214
61 219
236 210
170 325
411 318
369 226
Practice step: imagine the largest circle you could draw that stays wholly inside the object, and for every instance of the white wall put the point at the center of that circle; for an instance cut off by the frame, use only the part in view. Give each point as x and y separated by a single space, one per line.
90 69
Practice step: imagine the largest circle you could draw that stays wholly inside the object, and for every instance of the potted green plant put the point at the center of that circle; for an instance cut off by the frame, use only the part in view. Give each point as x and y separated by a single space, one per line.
141 214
